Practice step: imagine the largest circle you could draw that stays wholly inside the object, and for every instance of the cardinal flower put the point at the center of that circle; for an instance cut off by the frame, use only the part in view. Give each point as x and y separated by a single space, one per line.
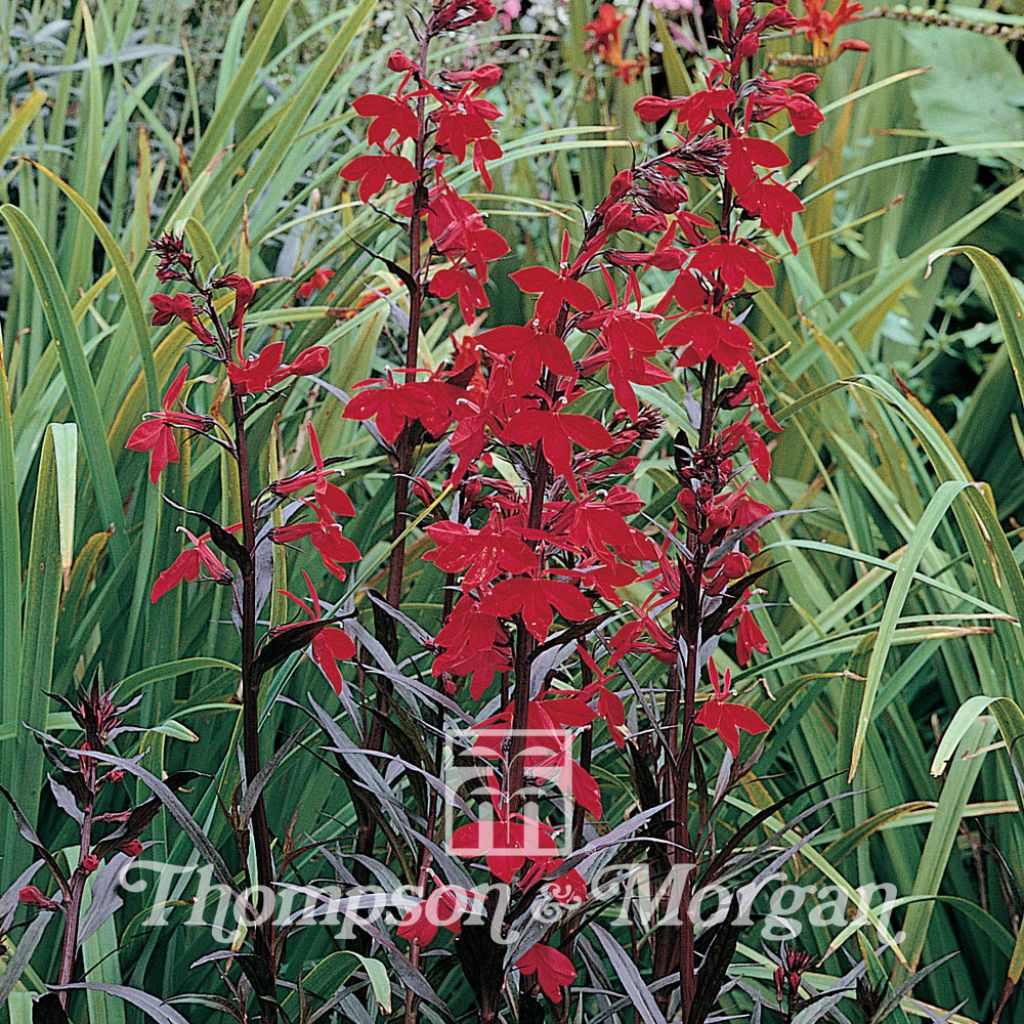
443 908
462 283
330 645
555 432
188 566
554 970
554 291
156 432
326 537
374 172
726 718
537 599
389 114
532 352
393 406
330 496
179 307
505 841
244 291
474 644
706 336
734 264
481 554
261 372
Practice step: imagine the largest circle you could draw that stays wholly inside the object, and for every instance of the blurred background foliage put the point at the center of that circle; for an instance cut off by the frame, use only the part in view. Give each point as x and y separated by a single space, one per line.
899 586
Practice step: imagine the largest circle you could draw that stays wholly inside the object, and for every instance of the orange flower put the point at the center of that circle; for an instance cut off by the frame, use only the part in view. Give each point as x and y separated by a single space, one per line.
605 29
820 27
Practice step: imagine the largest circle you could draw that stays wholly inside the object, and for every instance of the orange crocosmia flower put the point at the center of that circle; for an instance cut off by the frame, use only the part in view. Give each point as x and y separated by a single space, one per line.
820 27
605 29
364 300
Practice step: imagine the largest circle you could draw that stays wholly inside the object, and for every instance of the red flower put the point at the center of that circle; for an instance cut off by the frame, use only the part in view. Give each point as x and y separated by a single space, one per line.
326 537
389 115
554 291
179 307
707 336
472 644
188 566
90 862
556 432
536 600
32 897
317 280
554 970
481 554
261 372
463 122
327 494
132 848
774 204
609 707
820 27
244 291
606 29
505 842
726 718
330 645
374 172
745 154
392 406
155 433
532 351
734 264
456 281
789 95
443 908
698 111
749 638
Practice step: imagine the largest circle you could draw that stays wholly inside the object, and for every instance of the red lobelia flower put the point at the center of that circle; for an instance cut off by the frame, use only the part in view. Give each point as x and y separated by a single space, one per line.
188 566
329 495
155 434
330 645
326 537
536 599
554 970
481 554
261 372
726 718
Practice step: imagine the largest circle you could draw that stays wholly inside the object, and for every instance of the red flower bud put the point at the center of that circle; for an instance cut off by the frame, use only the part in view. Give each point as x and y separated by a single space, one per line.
422 490
313 360
398 61
132 848
32 897
90 862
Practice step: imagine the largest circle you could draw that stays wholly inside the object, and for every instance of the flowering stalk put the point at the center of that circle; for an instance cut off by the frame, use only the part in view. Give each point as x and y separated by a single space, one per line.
561 544
78 783
252 381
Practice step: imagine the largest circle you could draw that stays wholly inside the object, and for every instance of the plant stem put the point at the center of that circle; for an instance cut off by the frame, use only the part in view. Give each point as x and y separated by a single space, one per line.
73 909
265 874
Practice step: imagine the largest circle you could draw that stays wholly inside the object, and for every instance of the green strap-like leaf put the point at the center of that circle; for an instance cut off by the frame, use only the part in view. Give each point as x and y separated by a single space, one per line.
77 374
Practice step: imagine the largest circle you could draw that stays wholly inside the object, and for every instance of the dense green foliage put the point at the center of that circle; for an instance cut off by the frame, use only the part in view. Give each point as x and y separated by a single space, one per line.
897 601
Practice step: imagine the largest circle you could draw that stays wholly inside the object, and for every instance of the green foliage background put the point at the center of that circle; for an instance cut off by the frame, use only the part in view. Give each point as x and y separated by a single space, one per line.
895 609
